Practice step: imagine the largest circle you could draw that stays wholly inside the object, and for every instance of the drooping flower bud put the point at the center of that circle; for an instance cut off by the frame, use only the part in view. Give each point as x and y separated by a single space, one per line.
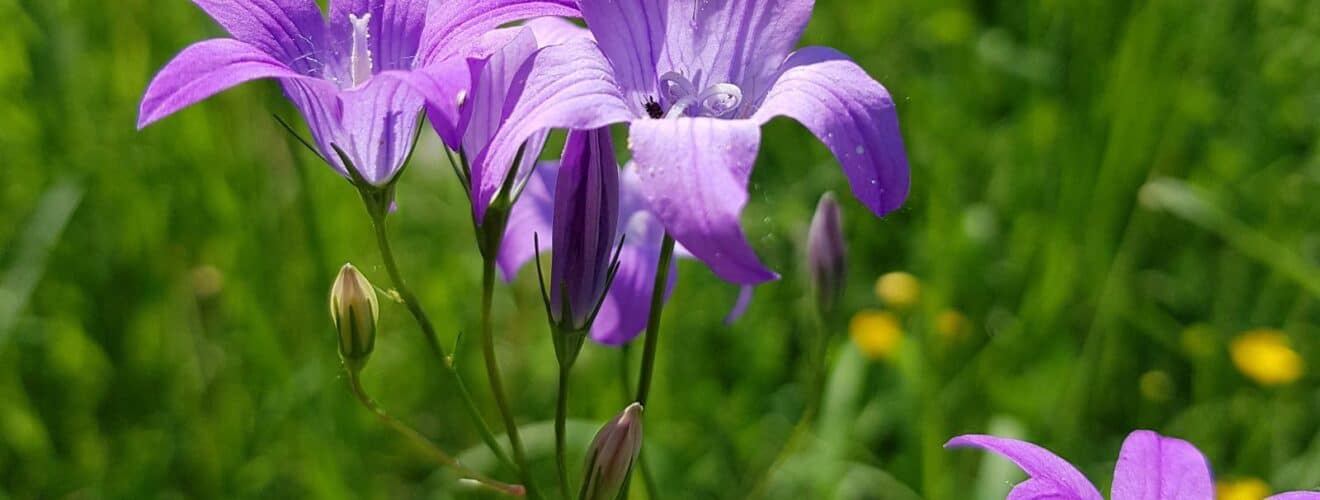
827 253
354 309
612 454
586 218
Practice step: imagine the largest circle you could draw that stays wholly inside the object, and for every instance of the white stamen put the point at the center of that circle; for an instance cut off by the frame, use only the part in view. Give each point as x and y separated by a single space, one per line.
359 64
716 101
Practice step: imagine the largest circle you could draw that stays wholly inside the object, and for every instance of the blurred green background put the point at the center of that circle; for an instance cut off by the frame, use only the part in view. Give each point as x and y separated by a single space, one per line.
1106 193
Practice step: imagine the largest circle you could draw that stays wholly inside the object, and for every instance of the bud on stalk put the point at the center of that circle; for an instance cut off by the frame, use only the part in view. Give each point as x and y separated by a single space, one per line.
827 253
586 220
612 454
354 309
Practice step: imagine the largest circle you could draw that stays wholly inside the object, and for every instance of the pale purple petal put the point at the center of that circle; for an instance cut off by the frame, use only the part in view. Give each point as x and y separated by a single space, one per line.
556 30
442 85
564 86
1297 495
1051 477
695 173
852 114
627 305
631 34
1154 467
454 24
318 101
734 41
205 69
531 219
740 306
395 30
380 120
493 80
292 31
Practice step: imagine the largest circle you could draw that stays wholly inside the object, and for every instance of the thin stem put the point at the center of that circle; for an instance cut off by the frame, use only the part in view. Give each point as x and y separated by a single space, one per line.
425 445
493 373
653 322
414 306
561 418
648 352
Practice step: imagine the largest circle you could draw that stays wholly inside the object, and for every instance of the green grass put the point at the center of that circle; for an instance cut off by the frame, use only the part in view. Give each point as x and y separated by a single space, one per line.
165 332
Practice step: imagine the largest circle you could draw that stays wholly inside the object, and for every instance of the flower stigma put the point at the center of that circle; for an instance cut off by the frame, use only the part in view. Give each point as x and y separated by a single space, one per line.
715 101
359 68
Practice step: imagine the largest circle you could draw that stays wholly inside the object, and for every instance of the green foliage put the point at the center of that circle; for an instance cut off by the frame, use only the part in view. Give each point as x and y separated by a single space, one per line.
172 340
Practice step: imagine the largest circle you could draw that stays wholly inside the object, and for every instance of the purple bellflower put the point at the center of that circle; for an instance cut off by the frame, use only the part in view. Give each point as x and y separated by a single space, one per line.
1150 467
696 80
359 78
827 253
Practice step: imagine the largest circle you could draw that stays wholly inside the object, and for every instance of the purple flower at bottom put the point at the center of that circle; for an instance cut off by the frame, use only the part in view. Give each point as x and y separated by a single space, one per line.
696 80
359 78
1150 467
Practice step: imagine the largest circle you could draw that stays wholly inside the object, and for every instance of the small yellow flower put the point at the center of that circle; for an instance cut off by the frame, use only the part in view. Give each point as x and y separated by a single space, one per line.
951 325
898 290
1264 356
876 333
1242 489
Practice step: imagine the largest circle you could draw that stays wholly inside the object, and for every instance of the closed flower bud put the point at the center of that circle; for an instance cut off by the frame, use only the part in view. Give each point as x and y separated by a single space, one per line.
827 253
354 309
612 454
586 218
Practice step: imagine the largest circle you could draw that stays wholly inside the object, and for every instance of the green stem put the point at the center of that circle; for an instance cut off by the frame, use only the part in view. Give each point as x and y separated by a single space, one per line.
648 353
561 418
414 306
493 373
425 445
653 322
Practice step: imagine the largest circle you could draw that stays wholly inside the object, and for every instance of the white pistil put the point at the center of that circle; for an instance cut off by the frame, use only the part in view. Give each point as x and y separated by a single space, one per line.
715 101
359 64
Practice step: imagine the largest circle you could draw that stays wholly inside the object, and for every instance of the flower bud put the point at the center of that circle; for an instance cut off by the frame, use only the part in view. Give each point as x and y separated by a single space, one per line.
586 218
827 253
354 309
612 454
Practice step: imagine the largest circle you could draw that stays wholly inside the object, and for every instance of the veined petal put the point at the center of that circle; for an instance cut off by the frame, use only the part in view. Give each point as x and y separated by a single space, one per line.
292 31
695 173
852 114
563 86
1297 495
493 86
380 121
556 30
318 101
1154 467
1051 477
394 31
454 24
631 34
205 69
627 305
735 41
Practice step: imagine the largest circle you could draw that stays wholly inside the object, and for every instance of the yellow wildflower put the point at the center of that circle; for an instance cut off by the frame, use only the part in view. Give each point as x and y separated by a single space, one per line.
1242 489
1264 356
876 333
898 290
951 325
1156 386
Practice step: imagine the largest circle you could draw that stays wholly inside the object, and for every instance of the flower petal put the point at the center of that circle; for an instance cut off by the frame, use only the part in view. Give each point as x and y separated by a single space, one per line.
203 70
1154 467
1297 495
395 30
563 86
631 34
454 24
292 31
556 30
319 104
627 305
735 41
380 121
745 294
695 173
852 114
1051 477
492 85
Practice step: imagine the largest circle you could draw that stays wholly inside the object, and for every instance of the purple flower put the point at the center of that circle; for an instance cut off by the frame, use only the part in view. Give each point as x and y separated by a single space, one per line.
1150 467
586 216
827 252
360 78
696 80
